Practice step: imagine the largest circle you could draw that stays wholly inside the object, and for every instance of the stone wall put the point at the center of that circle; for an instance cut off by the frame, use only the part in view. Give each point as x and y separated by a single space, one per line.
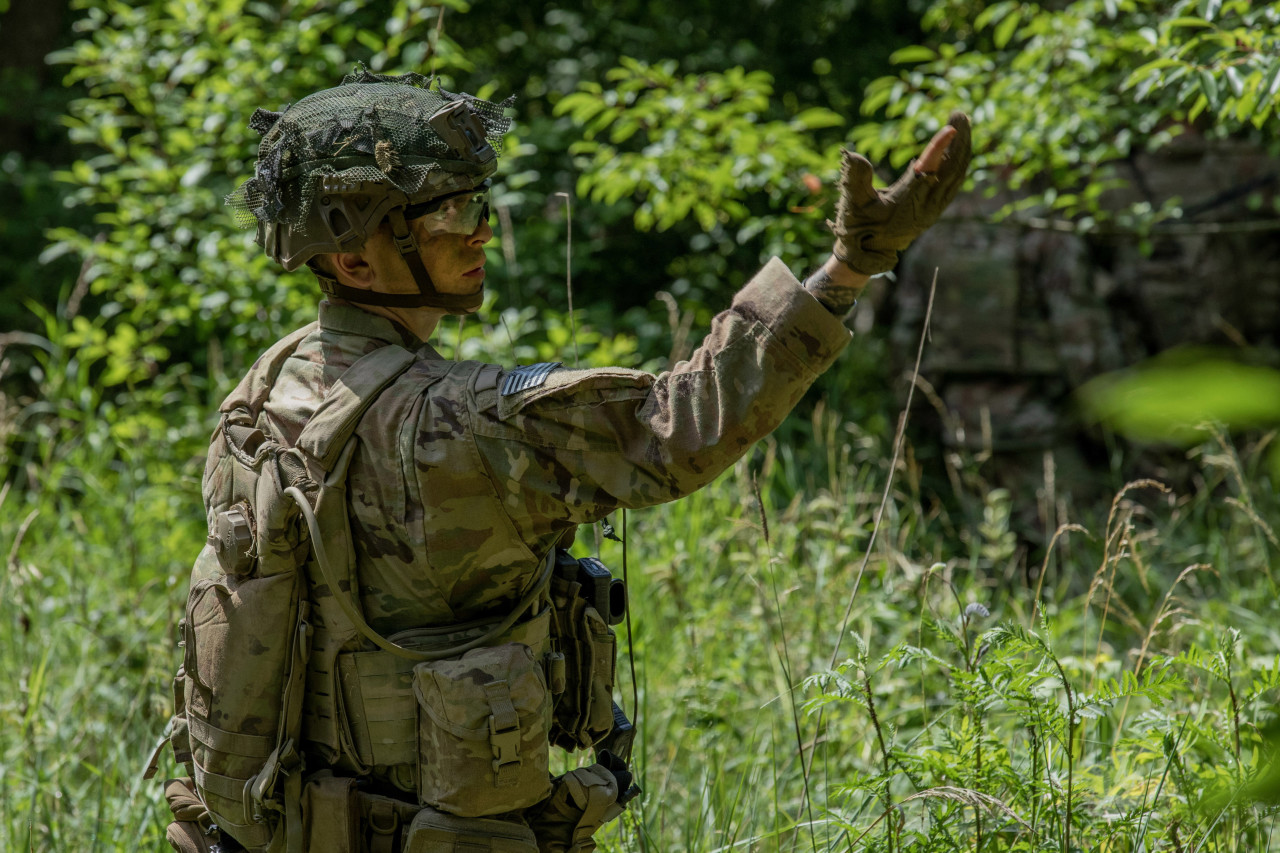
1024 316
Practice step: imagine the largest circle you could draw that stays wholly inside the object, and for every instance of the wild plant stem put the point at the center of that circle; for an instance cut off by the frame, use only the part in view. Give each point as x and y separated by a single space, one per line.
568 273
1035 777
884 750
784 656
1071 765
884 501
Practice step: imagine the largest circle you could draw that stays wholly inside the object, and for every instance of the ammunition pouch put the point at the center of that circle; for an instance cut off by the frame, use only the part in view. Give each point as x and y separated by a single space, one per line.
379 712
584 650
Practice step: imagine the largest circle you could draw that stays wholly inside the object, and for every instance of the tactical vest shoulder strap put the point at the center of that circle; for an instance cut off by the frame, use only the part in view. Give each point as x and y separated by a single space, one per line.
254 388
334 420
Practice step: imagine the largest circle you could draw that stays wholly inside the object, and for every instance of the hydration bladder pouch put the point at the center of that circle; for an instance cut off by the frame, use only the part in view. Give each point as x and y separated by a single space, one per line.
483 727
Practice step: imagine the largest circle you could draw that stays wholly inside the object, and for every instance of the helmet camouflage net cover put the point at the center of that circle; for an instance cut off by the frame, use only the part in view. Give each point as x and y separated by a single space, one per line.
332 166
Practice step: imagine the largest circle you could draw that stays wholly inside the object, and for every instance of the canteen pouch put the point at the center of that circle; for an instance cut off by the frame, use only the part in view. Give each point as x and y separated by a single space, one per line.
483 728
584 711
436 832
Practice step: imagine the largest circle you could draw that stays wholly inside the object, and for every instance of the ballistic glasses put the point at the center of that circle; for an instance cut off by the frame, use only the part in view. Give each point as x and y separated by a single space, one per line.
455 213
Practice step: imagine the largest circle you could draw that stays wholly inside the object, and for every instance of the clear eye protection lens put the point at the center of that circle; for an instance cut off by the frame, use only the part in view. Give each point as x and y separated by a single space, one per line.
460 214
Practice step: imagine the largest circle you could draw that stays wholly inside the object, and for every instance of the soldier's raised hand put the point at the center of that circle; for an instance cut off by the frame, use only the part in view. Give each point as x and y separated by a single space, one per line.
872 226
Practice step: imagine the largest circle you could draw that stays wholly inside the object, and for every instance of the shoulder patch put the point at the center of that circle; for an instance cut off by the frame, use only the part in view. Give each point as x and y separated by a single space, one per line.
527 376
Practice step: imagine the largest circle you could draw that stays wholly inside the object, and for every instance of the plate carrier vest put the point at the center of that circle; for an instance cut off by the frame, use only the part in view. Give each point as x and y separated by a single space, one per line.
280 668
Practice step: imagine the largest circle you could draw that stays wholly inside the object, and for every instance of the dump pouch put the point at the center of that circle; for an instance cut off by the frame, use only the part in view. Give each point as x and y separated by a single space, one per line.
483 731
436 832
581 801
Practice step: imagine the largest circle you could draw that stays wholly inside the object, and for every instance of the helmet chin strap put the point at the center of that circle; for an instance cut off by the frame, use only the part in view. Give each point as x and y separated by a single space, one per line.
427 295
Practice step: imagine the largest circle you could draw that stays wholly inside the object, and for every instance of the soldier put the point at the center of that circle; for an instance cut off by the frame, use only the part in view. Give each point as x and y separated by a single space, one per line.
381 642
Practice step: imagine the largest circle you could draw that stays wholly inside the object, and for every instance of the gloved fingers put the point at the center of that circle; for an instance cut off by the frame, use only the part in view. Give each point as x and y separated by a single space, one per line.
931 191
182 799
955 160
931 159
856 176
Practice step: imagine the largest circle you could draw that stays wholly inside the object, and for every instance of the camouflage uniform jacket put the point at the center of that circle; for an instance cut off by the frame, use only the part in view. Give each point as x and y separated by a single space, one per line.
457 490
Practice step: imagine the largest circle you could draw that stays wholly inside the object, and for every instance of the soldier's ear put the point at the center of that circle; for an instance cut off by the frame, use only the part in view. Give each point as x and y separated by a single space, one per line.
352 269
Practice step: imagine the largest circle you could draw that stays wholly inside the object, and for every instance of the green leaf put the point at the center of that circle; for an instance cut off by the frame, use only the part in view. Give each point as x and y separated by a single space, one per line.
1188 23
1209 86
816 118
914 53
1170 397
1233 79
1272 86
1005 30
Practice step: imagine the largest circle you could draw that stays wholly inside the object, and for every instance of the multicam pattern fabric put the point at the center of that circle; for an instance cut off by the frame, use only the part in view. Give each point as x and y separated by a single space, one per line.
456 492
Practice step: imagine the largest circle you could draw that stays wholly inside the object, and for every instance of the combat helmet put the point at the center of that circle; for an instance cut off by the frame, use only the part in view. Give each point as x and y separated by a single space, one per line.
337 163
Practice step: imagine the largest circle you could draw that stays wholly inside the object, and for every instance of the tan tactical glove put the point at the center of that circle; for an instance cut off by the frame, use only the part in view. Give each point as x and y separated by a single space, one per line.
872 226
192 828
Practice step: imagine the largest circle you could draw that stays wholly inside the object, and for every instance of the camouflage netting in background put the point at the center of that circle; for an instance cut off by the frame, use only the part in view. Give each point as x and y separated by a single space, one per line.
371 127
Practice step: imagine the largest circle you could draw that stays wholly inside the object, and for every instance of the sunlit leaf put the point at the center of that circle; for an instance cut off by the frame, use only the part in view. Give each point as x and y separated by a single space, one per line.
1172 397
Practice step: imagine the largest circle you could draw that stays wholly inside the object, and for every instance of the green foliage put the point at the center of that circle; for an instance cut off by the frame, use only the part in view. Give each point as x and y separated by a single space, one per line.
704 146
170 88
1063 94
1175 396
1182 396
1216 58
939 732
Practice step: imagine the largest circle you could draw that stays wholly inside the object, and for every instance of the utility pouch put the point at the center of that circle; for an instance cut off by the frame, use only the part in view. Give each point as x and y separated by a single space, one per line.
436 832
338 817
377 687
483 728
330 814
581 801
584 711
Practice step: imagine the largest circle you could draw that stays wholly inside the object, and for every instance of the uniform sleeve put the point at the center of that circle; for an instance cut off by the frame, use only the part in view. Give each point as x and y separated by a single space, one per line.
586 442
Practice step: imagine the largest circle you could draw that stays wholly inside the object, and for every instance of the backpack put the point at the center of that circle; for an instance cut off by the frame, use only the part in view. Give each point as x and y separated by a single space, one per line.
248 626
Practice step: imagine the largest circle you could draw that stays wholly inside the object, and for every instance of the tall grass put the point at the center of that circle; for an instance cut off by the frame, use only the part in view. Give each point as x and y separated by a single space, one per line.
1116 701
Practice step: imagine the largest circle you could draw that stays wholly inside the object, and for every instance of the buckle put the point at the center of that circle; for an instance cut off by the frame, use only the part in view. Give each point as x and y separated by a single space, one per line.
405 244
506 747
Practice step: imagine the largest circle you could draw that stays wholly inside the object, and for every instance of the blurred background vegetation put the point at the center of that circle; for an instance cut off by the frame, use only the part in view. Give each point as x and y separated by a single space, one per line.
693 140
